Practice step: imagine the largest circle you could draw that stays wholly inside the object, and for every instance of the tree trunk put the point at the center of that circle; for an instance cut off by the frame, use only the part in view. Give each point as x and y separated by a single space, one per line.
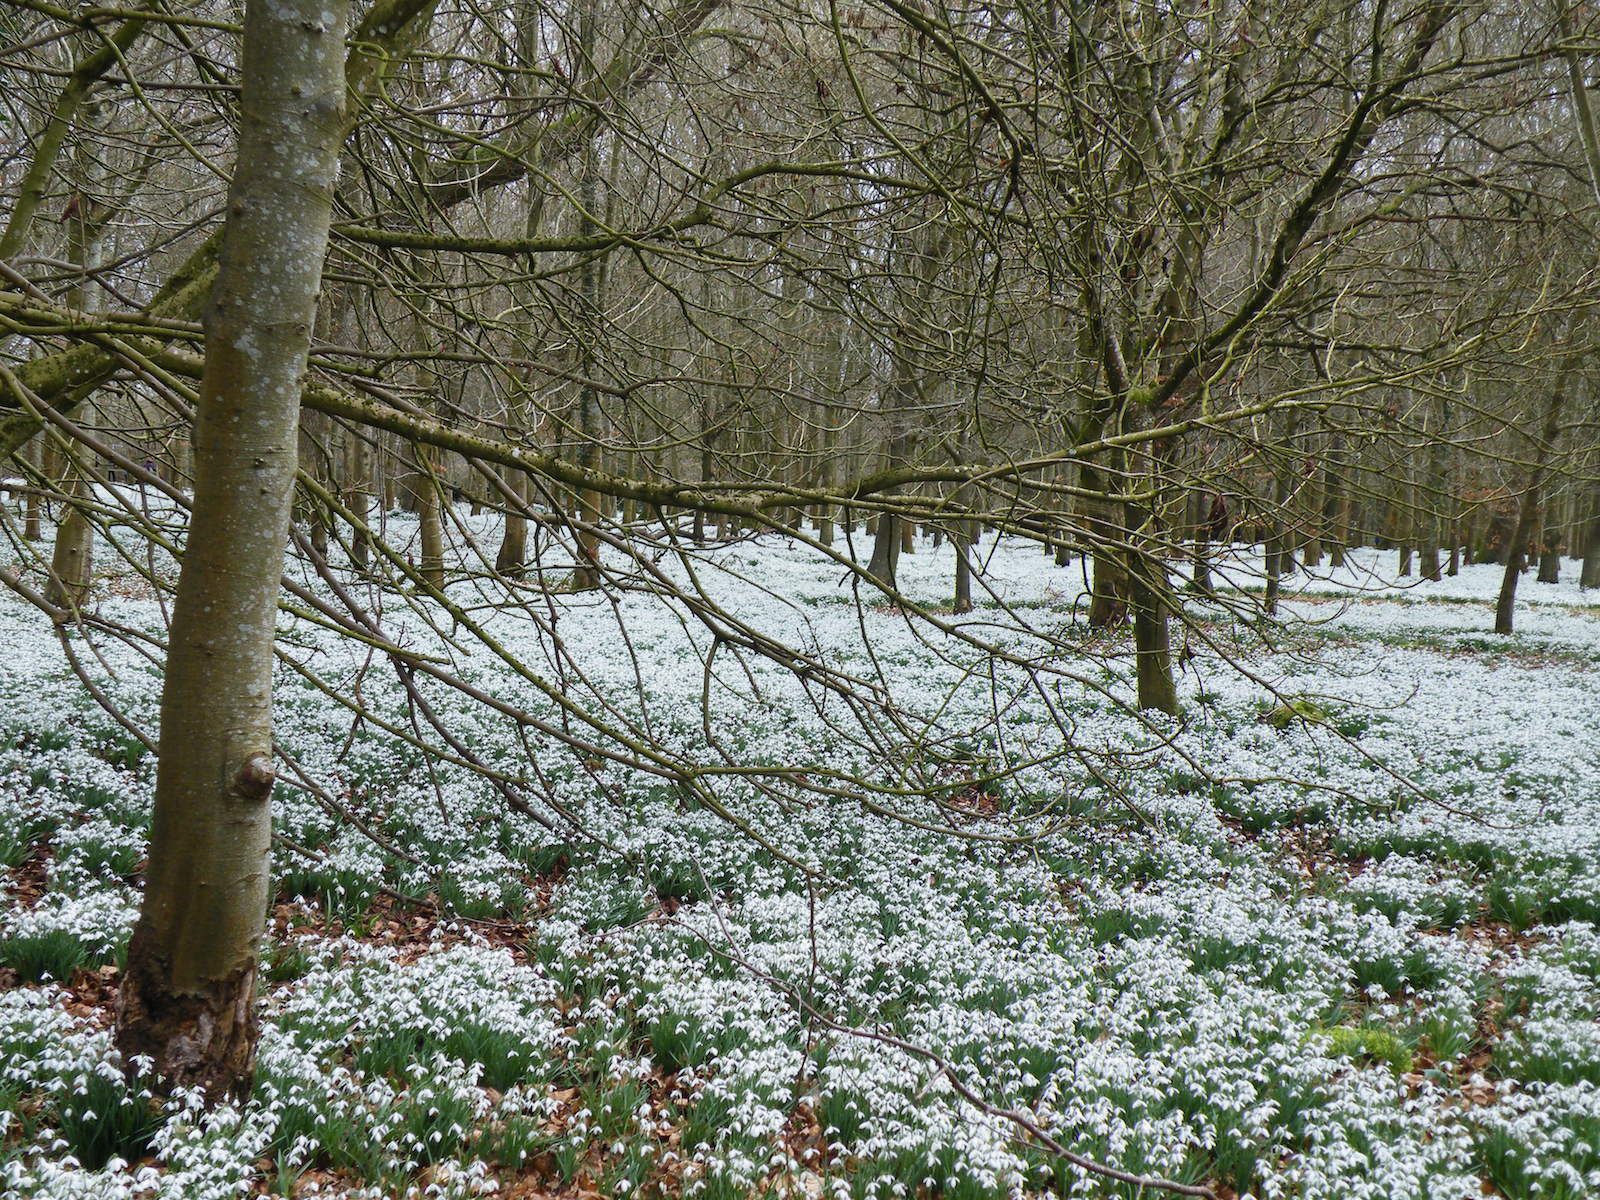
512 557
423 494
1335 504
1311 543
358 471
1430 560
1152 639
1590 576
1279 559
586 542
33 454
1200 546
187 997
72 559
1528 519
586 574
314 455
1506 606
1550 546
961 542
886 543
1108 594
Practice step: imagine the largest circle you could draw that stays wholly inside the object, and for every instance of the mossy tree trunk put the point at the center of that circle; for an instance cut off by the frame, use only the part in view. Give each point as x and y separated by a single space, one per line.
187 997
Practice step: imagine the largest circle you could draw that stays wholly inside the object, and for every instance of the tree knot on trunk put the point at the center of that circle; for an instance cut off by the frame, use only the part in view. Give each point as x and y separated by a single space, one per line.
253 781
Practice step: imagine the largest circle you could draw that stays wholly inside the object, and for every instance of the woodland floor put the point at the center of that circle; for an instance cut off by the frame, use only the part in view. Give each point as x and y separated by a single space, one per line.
1333 934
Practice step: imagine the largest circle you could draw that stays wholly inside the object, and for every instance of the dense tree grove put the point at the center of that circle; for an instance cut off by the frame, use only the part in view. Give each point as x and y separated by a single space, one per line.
351 336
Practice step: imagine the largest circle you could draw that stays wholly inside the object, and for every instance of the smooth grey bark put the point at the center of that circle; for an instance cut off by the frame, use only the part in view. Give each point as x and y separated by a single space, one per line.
187 996
1148 599
1429 556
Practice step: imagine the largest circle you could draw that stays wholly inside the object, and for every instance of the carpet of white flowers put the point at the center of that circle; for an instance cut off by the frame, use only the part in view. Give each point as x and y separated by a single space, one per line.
1334 934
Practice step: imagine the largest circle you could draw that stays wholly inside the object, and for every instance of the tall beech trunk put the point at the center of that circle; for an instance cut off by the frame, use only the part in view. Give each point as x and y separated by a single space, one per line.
422 498
1108 590
1335 508
1529 517
1550 539
889 540
1311 544
1516 559
823 522
425 484
1148 590
886 543
591 284
1200 543
1590 576
961 536
1549 566
358 475
314 455
1431 522
1279 559
32 524
187 997
961 543
512 556
1429 555
72 556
